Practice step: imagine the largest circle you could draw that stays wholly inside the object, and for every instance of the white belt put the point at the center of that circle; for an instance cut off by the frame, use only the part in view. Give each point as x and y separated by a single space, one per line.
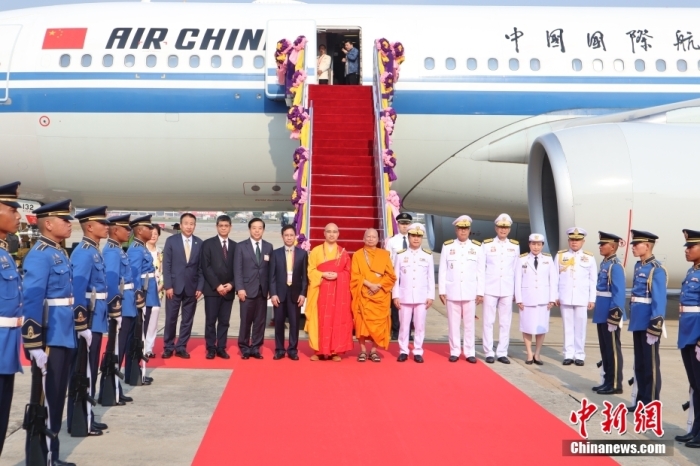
60 301
690 308
130 286
11 321
636 299
97 295
605 294
149 275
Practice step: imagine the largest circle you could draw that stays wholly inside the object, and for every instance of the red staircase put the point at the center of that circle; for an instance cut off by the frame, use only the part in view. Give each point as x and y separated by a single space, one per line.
343 179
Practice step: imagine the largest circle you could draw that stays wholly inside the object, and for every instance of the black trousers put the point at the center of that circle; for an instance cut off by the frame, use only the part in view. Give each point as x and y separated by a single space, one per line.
352 79
253 314
692 370
646 368
217 310
323 81
126 334
57 376
94 362
172 311
611 352
287 309
395 323
7 388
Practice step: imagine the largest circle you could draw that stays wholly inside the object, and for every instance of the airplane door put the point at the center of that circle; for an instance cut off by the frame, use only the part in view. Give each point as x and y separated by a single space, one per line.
8 37
290 30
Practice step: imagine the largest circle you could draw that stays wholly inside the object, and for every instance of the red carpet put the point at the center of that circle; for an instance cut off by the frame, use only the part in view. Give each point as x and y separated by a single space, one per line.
343 182
327 413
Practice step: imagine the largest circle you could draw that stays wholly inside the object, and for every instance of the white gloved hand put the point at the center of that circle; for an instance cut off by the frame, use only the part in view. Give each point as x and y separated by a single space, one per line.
697 352
612 328
119 322
651 339
87 335
40 357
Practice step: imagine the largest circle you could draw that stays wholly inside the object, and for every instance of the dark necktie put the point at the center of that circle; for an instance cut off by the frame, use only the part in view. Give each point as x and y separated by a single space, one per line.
535 262
225 247
405 246
257 252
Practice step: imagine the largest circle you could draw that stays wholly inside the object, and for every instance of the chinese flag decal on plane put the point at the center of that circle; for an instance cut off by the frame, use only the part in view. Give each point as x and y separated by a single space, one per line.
64 38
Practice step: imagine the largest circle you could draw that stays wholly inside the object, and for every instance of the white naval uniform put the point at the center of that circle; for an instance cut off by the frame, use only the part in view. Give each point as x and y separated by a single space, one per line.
535 289
577 288
501 258
415 270
461 280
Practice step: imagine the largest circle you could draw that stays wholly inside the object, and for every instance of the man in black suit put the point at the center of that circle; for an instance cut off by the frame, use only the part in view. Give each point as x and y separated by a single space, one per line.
217 267
183 282
288 284
251 274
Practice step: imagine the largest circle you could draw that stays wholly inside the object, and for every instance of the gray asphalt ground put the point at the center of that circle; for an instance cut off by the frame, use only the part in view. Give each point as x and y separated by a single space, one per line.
178 412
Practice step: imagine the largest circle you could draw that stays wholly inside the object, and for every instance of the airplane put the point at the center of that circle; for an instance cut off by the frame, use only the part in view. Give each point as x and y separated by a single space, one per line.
558 116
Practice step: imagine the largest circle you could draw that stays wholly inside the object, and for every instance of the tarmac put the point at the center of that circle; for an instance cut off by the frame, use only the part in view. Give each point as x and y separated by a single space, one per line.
166 423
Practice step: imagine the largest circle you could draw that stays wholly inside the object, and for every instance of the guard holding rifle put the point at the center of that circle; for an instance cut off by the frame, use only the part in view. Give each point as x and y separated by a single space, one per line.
89 278
10 305
50 339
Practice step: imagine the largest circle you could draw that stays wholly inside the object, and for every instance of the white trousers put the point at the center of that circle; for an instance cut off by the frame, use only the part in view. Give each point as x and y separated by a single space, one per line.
151 331
504 306
458 312
575 320
418 312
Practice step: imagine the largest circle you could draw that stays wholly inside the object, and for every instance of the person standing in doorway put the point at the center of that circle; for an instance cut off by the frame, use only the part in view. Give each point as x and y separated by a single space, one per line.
352 63
323 65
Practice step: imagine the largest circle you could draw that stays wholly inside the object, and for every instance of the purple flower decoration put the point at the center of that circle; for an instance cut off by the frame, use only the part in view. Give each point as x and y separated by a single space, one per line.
300 154
299 42
383 46
296 117
399 52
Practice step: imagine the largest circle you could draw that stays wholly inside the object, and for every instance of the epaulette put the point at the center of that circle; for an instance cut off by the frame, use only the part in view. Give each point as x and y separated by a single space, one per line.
588 253
487 240
427 251
562 251
403 250
546 254
476 242
514 241
524 254
449 241
42 246
85 246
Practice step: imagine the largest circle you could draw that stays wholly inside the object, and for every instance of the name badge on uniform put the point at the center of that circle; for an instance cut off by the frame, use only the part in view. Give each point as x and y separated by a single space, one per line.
266 257
694 279
5 265
641 275
57 259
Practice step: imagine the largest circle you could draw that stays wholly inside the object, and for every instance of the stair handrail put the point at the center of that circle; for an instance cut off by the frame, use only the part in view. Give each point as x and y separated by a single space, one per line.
382 188
309 172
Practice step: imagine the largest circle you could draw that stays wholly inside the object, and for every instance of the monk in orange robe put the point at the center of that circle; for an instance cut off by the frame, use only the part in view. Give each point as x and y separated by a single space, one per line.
371 282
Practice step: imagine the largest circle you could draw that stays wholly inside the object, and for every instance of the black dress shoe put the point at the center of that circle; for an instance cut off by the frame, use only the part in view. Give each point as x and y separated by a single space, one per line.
167 354
126 399
394 336
695 443
222 354
471 359
95 432
490 359
528 361
609 391
182 354
402 357
597 387
579 362
278 356
120 403
61 463
245 356
257 356
504 360
568 362
148 379
454 358
685 438
418 358
294 357
99 425
210 354
537 361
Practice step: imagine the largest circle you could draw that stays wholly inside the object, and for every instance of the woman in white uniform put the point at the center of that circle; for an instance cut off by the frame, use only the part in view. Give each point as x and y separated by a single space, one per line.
323 65
536 279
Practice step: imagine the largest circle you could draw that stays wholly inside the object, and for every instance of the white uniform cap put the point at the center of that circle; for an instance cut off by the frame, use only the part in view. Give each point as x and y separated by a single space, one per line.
503 220
416 229
536 237
576 233
464 221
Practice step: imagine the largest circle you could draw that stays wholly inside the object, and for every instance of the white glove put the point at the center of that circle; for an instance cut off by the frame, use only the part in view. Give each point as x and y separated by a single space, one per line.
87 335
119 322
612 328
651 339
40 357
697 352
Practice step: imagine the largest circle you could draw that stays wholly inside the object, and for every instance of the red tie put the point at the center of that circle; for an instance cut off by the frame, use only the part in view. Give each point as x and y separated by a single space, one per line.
225 247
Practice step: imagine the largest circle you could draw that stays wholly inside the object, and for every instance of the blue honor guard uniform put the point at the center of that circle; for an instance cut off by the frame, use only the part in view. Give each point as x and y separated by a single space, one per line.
608 313
689 336
647 314
10 316
48 281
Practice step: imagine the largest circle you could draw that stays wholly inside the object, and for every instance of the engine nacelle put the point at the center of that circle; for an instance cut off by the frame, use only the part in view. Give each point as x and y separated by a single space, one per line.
614 177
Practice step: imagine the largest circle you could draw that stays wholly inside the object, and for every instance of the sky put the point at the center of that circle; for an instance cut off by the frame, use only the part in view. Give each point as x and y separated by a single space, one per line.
14 4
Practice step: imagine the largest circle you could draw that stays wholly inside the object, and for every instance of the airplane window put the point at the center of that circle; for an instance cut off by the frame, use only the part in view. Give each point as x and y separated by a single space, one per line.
450 64
107 60
237 61
660 65
258 61
576 64
151 61
215 61
513 64
598 64
64 61
194 61
471 64
129 61
682 65
429 63
172 61
619 65
534 64
639 65
86 60
493 64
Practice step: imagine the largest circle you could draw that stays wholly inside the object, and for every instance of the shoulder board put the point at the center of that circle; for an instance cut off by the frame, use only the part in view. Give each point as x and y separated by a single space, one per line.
403 250
475 242
449 241
524 254
546 254
85 246
487 240
427 251
514 241
588 253
42 246
562 251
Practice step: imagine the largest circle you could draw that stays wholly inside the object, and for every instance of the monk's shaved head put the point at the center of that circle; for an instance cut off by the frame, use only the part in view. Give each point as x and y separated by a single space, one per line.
371 230
331 227
371 237
331 233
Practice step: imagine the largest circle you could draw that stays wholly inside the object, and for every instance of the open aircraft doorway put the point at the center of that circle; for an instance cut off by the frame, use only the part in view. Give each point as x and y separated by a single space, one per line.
334 40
